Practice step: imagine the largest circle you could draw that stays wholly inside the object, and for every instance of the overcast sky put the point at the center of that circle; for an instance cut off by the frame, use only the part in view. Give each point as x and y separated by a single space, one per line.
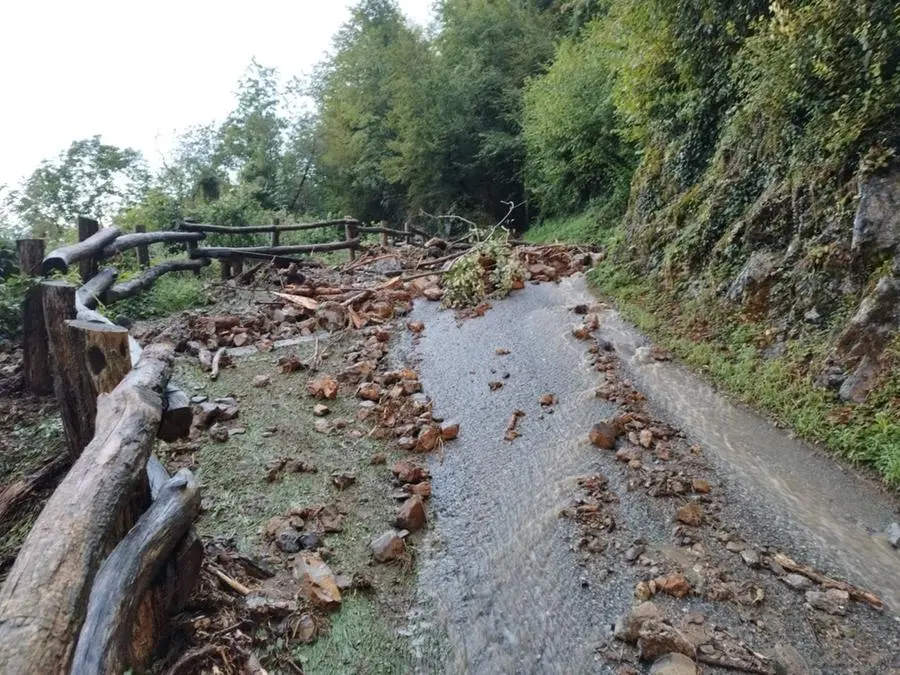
135 71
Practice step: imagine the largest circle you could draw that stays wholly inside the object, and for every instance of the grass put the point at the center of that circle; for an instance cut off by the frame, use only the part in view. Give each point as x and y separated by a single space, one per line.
238 502
728 350
170 294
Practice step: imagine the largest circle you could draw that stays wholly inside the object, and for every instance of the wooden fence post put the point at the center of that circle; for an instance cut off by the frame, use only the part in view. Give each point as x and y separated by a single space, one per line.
31 254
88 359
350 234
225 269
384 235
35 367
276 234
143 251
87 267
408 232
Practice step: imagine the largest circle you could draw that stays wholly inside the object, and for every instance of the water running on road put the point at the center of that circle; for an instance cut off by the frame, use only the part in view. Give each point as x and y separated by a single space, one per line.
499 573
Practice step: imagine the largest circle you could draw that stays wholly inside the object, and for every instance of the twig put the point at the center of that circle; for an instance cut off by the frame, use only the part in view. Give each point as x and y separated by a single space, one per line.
15 493
439 261
225 631
233 584
419 275
214 372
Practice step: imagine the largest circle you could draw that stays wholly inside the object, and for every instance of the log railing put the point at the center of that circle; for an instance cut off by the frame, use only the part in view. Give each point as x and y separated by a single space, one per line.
112 556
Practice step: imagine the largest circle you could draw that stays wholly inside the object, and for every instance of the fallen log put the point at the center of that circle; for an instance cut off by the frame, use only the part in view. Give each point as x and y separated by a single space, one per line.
129 241
43 601
59 259
264 229
858 594
105 645
224 252
16 493
146 279
92 292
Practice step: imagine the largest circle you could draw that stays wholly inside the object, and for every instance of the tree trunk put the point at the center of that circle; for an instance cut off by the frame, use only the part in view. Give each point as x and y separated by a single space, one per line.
105 642
87 266
226 252
43 601
59 259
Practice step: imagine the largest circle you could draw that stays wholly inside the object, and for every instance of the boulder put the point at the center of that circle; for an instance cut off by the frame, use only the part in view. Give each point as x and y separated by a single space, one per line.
388 547
317 583
876 226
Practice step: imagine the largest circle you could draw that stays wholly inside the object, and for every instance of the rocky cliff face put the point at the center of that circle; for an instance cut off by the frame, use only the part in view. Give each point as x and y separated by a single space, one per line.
791 259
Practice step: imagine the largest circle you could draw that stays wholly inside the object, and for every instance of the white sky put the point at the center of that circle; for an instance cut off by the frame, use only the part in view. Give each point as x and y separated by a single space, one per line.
134 72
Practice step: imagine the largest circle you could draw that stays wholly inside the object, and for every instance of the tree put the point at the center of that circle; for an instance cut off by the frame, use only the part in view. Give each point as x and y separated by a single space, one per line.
90 179
357 89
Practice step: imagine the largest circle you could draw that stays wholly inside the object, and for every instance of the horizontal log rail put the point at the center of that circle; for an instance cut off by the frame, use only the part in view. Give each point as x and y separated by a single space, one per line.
146 279
91 293
129 241
237 252
61 258
263 229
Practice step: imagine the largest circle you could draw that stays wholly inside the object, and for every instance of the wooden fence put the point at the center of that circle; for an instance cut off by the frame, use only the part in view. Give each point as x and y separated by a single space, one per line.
113 555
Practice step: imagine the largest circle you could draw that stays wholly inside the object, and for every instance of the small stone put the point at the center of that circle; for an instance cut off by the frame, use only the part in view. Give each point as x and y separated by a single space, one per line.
690 514
832 601
788 661
735 546
378 459
633 553
548 400
288 541
322 426
309 541
411 516
387 547
317 583
750 557
422 489
433 293
603 435
673 664
236 431
798 582
642 591
701 486
628 627
646 438
450 431
261 381
218 433
675 585
409 473
893 534
406 442
320 410
428 439
197 400
369 391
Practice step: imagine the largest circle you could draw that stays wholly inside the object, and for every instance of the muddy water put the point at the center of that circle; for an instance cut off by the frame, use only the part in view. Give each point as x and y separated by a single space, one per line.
498 578
498 572
843 514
